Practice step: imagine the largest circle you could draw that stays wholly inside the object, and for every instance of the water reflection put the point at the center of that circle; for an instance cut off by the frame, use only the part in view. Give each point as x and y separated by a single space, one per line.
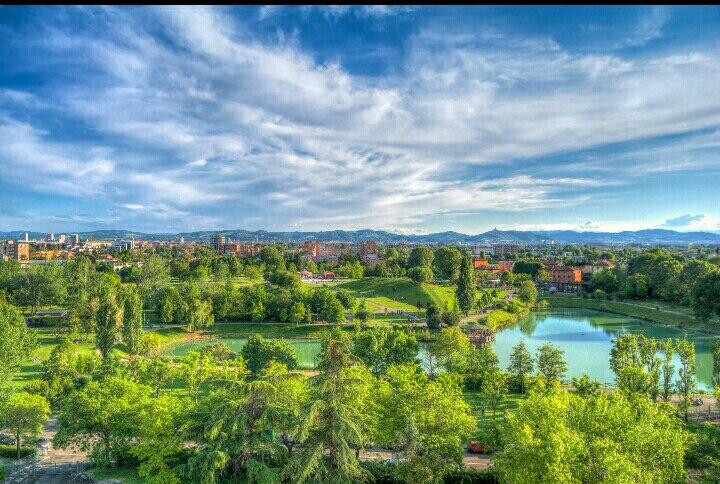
586 337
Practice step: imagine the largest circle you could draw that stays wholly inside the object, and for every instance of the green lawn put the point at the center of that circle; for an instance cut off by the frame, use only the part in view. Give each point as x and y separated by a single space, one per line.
646 310
397 293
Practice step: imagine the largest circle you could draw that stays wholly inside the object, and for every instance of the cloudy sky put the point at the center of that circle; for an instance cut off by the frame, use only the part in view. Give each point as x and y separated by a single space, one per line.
412 120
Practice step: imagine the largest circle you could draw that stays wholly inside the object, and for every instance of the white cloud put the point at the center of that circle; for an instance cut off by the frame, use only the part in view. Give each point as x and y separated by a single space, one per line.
295 141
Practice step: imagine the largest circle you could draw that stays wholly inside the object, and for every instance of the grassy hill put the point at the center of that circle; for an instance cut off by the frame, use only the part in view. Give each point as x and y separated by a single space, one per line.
398 293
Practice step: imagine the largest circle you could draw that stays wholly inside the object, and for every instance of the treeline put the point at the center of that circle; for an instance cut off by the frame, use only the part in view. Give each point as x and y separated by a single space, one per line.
661 275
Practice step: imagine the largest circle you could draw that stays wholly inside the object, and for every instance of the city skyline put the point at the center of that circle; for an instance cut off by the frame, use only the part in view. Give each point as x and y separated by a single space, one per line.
410 120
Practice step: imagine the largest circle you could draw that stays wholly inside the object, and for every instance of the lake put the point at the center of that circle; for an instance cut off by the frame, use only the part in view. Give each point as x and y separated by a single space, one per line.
586 338
584 335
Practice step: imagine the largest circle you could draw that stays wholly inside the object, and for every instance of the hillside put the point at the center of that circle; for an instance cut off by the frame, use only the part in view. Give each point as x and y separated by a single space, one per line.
397 293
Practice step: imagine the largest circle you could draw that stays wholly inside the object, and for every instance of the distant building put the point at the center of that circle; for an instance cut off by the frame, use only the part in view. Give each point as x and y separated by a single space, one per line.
564 274
181 240
51 237
18 250
218 243
502 250
480 262
62 238
74 239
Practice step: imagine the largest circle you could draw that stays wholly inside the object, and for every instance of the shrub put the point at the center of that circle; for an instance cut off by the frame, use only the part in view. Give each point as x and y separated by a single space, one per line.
9 451
470 476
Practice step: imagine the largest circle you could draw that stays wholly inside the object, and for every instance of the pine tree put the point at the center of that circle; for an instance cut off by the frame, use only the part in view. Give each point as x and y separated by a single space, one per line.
465 291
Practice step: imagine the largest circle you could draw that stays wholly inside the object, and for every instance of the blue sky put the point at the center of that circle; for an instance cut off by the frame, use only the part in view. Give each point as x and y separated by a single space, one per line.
406 119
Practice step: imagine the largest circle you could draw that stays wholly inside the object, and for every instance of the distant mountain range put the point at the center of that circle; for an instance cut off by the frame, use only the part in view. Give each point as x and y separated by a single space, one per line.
650 236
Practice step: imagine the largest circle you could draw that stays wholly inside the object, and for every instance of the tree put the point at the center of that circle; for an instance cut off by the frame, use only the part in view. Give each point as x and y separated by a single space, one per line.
432 316
258 352
606 280
154 372
299 314
199 314
668 350
420 274
686 373
530 268
465 291
273 259
16 341
196 368
132 320
715 352
494 389
346 298
585 387
24 415
449 349
521 365
362 312
706 295
563 437
528 293
103 416
332 424
446 263
551 363
382 348
420 256
109 317
425 420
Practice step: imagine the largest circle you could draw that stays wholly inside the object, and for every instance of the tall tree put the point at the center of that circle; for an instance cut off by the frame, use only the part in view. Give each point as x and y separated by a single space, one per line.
706 295
109 317
686 373
332 431
16 341
420 256
527 292
24 415
551 363
446 262
465 291
668 349
715 352
132 320
521 364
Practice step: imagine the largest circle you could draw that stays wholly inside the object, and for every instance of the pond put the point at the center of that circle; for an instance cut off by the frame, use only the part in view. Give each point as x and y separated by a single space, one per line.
586 338
583 334
306 350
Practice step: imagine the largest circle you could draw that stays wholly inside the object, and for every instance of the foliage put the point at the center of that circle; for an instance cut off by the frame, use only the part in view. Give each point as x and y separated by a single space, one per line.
551 363
16 340
706 295
521 365
24 414
465 291
562 437
381 348
449 349
258 352
420 274
585 387
132 320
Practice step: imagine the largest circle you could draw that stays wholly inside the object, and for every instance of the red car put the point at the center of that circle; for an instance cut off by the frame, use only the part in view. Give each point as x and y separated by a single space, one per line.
476 447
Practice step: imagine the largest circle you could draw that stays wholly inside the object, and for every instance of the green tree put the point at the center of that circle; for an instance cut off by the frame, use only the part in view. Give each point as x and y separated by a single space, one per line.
331 430
258 352
109 317
528 293
362 312
420 274
715 352
686 373
494 389
668 350
562 437
382 348
420 256
16 341
551 363
521 365
449 349
606 280
585 387
195 369
103 416
132 320
24 414
706 295
273 259
446 263
465 291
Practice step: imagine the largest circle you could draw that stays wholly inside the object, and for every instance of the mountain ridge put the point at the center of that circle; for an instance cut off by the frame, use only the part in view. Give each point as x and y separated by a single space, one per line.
645 236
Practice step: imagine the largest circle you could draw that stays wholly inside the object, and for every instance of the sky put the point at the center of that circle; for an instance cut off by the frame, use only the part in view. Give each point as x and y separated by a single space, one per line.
413 120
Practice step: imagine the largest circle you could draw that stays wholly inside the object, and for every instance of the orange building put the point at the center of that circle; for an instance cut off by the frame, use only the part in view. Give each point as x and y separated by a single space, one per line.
480 262
571 275
18 250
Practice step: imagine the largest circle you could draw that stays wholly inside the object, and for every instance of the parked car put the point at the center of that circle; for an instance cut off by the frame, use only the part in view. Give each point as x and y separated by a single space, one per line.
476 447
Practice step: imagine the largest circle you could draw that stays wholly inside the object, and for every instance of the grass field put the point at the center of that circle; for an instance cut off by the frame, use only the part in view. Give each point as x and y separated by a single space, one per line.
647 310
398 293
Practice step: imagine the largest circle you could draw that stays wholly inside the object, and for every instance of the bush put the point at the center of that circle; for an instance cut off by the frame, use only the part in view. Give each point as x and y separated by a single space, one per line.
3 472
9 451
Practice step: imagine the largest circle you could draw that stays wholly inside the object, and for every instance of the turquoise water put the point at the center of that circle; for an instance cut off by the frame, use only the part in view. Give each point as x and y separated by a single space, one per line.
586 338
306 350
584 335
